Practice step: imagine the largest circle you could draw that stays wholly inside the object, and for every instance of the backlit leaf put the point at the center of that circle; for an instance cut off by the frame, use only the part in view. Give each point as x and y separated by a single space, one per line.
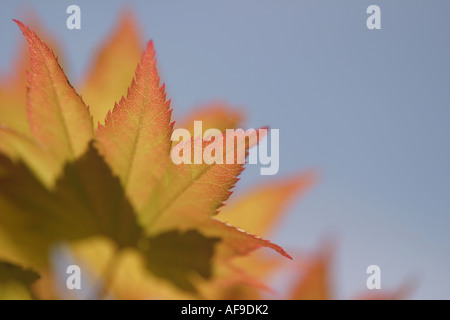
217 115
58 117
77 208
144 226
194 191
21 147
179 256
135 140
112 69
314 283
15 282
258 211
13 101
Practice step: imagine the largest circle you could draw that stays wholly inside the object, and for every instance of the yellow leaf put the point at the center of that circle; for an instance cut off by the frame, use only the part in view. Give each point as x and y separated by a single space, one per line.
13 111
131 279
35 218
21 147
113 68
135 140
258 211
192 191
179 256
59 120
13 87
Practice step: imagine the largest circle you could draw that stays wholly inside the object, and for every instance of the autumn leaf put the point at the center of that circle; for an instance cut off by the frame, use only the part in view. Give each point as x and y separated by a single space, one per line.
135 143
53 101
144 226
192 191
314 283
258 211
112 69
217 115
265 203
16 139
78 207
135 140
189 195
13 101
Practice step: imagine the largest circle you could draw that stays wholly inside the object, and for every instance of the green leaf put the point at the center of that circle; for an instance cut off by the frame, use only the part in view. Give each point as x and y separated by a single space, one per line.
179 256
15 282
86 201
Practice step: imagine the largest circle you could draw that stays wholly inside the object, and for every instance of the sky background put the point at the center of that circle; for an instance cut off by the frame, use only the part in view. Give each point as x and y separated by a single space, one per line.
369 109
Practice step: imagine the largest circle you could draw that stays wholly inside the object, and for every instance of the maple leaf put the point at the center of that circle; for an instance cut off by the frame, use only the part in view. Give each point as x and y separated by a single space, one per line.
267 202
13 106
135 138
113 68
136 135
129 191
21 147
53 101
144 226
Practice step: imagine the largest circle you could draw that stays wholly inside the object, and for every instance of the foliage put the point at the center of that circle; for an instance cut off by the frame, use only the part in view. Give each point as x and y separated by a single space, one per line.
83 170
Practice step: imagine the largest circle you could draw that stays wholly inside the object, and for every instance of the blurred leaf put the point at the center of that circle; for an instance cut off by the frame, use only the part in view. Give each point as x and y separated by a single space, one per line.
112 70
18 146
314 283
400 293
15 282
258 210
217 115
178 256
233 282
13 109
132 278
87 201
193 192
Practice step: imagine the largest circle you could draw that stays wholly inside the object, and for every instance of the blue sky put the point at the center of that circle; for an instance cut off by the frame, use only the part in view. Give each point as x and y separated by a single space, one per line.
369 109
